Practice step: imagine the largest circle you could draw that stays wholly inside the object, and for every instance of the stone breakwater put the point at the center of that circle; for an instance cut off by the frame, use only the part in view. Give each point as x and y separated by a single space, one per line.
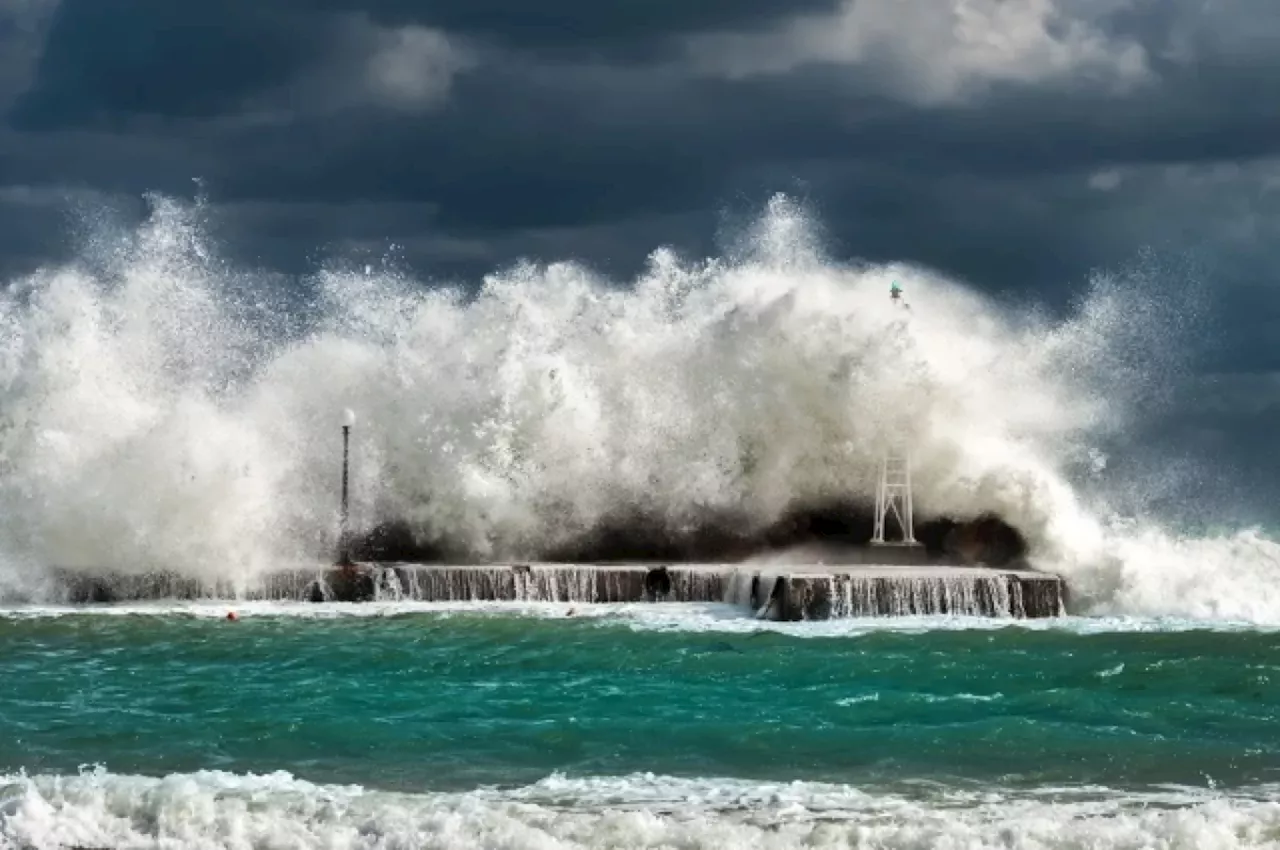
777 591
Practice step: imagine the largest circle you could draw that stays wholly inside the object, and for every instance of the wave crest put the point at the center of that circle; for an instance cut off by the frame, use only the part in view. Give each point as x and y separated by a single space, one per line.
161 410
215 809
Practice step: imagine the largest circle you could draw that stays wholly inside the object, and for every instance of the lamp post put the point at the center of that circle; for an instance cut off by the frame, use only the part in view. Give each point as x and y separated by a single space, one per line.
344 534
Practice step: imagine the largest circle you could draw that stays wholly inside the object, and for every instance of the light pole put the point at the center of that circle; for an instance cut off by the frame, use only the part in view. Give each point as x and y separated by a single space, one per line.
344 534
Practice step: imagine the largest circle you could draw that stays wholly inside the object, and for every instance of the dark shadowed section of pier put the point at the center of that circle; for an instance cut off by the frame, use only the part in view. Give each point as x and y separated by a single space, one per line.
721 537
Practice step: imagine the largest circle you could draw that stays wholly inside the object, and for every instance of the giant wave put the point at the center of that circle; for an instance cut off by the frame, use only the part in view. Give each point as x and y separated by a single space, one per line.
162 410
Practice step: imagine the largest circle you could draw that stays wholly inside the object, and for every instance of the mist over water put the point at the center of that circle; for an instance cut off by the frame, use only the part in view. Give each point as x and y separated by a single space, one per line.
159 410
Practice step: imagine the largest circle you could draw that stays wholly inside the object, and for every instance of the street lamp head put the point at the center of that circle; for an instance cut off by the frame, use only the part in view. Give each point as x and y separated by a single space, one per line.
348 417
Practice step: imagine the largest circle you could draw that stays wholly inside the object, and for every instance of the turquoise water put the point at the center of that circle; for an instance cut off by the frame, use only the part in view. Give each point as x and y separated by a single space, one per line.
450 702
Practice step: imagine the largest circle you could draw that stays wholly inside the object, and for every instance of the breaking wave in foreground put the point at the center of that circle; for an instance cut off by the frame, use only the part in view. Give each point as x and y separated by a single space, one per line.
159 410
213 809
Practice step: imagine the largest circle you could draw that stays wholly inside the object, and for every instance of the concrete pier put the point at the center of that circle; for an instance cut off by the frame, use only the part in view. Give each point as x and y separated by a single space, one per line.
820 593
777 591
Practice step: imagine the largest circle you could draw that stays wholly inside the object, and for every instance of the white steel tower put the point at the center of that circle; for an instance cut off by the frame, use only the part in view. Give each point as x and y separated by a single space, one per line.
893 490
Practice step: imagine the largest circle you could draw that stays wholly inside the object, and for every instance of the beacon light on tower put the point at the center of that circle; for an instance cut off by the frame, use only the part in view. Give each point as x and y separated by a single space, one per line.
895 295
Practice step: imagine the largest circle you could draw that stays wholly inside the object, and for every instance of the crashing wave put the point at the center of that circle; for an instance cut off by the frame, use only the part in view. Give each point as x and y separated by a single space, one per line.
160 411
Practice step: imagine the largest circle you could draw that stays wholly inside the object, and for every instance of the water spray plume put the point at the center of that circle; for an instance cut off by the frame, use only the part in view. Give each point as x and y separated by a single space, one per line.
162 412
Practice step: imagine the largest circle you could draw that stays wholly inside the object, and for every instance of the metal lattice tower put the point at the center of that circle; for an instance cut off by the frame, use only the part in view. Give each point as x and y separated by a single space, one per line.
893 496
893 490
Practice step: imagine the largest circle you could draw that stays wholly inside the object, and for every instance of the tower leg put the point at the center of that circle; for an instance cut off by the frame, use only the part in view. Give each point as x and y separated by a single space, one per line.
877 534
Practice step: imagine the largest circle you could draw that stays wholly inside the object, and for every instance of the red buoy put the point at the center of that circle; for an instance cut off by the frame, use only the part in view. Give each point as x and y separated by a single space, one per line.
231 615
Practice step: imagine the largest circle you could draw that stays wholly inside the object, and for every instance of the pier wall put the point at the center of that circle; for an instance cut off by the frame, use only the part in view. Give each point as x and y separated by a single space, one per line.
968 592
778 592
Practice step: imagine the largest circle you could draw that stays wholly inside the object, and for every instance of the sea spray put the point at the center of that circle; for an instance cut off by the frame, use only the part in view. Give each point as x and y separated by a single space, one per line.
158 412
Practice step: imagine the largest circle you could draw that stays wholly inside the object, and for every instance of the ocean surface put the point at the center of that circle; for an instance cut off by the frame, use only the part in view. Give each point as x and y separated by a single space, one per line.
164 408
656 726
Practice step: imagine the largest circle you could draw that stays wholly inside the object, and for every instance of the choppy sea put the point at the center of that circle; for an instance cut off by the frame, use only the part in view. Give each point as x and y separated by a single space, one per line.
654 726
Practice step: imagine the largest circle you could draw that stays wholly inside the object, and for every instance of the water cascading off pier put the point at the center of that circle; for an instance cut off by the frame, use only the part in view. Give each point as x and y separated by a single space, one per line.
778 592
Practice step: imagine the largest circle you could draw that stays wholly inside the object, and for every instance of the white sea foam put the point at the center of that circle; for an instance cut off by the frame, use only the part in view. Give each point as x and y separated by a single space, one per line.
644 617
219 810
160 411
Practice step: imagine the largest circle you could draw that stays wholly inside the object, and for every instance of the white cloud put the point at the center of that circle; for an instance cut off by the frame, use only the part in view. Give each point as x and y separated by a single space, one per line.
409 68
1221 204
21 11
1240 31
23 26
413 67
938 51
1105 181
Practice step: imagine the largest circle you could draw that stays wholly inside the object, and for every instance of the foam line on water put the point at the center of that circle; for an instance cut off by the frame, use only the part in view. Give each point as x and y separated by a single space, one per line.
669 617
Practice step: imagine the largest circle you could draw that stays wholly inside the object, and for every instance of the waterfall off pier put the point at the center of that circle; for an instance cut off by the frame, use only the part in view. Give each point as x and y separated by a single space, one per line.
777 591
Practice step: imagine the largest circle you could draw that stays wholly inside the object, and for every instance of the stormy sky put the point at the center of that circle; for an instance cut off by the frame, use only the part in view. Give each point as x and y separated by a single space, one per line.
1018 144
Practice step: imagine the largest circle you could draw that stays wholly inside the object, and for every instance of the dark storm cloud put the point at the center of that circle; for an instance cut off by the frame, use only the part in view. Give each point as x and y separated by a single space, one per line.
148 94
471 133
30 230
574 27
104 62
